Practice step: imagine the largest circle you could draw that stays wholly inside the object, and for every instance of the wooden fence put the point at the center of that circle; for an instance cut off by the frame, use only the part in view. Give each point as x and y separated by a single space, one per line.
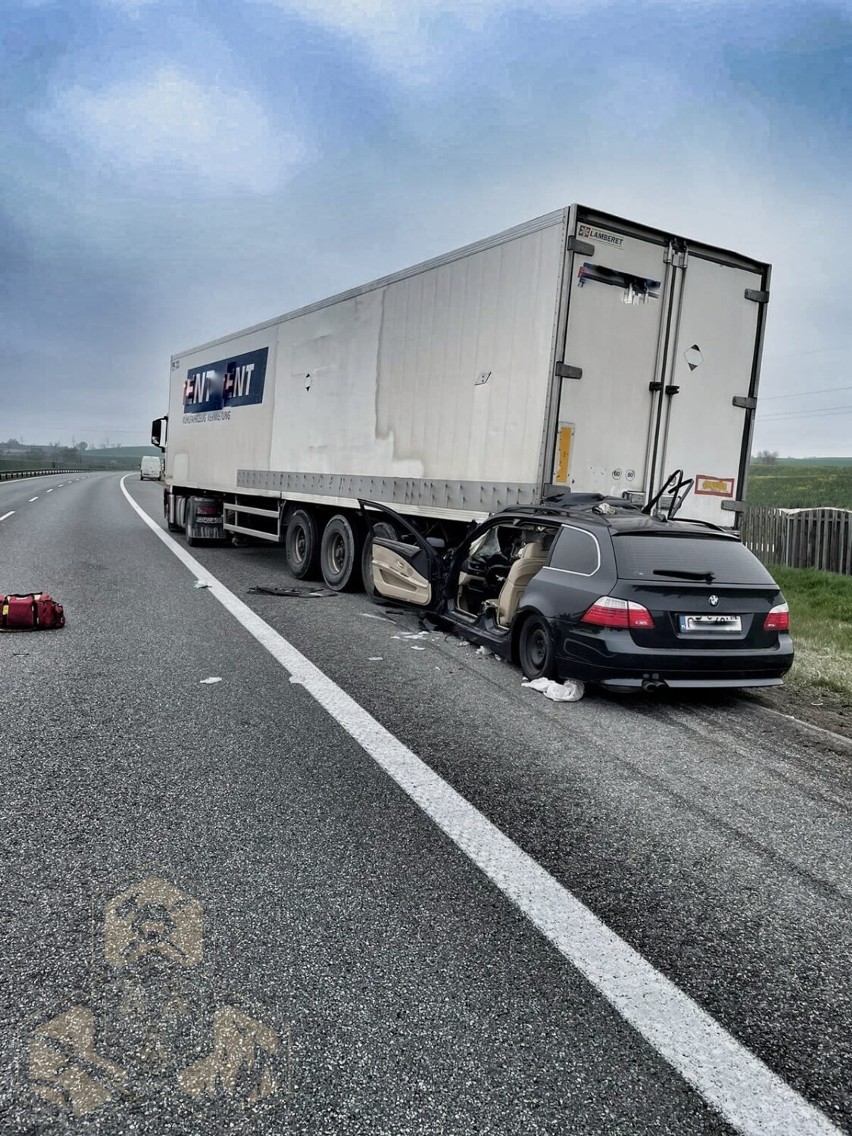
800 538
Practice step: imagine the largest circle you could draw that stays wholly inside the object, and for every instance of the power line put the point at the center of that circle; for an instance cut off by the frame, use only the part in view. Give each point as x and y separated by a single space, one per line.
838 411
809 351
805 394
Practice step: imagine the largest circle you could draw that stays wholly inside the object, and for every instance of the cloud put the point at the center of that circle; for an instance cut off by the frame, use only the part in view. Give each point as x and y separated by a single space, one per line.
170 126
130 7
417 41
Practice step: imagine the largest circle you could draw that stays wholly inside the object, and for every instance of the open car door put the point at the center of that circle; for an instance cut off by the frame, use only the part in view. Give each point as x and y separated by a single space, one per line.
408 570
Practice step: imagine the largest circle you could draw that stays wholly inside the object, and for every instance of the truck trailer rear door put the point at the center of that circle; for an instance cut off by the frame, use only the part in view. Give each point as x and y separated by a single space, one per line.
710 388
620 282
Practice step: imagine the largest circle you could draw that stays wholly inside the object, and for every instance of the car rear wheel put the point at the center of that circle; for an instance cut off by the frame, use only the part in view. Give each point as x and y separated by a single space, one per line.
340 554
535 649
302 545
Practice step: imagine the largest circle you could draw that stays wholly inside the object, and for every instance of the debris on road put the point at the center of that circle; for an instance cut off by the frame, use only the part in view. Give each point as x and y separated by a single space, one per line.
210 681
374 659
382 618
299 593
571 690
411 635
200 584
483 651
413 648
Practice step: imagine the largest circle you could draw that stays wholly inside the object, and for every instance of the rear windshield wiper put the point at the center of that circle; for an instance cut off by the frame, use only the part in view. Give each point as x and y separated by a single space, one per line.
685 574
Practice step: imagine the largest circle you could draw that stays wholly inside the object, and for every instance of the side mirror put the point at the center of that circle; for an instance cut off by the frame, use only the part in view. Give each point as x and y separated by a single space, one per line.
159 430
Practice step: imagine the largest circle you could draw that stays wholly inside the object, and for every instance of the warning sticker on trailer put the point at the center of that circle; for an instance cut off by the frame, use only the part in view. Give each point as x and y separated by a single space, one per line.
713 486
591 233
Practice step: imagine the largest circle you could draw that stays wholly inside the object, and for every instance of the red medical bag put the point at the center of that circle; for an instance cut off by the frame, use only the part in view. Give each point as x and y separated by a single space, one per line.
34 612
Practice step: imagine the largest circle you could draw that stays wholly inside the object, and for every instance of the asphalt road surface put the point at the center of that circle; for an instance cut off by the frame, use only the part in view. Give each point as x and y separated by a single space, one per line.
367 883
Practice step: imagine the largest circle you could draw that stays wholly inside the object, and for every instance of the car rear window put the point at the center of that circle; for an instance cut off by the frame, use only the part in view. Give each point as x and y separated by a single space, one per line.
647 557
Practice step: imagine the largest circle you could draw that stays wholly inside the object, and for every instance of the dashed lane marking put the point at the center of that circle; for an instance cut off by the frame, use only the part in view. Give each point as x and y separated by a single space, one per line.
11 513
33 499
745 1091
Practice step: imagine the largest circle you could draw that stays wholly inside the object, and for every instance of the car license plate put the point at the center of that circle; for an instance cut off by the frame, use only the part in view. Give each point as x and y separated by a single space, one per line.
710 623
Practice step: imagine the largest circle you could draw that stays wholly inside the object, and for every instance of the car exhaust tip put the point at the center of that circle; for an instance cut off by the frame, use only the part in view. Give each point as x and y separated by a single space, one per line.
652 684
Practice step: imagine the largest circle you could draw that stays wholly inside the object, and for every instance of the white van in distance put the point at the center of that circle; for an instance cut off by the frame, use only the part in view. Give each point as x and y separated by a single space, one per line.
150 469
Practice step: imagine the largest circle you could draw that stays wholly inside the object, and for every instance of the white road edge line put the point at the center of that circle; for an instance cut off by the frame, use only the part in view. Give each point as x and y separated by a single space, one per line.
745 1091
11 513
805 725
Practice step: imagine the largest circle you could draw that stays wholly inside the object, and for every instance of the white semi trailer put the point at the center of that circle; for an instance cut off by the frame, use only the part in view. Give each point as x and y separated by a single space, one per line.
576 352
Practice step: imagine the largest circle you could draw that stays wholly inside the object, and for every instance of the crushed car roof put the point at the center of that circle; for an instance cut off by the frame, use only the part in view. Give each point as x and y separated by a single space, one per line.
616 513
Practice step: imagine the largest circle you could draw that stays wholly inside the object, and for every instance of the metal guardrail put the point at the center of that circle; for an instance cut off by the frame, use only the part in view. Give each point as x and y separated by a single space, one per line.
800 538
11 474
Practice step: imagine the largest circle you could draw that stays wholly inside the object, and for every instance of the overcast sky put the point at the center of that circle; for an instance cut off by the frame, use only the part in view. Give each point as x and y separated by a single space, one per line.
175 171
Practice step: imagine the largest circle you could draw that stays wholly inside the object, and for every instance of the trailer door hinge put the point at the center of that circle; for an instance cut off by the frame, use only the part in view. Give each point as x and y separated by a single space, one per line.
672 390
564 371
756 295
744 402
676 254
576 245
654 387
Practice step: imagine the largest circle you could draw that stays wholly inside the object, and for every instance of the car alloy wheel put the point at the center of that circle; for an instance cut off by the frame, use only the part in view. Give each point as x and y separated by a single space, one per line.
535 648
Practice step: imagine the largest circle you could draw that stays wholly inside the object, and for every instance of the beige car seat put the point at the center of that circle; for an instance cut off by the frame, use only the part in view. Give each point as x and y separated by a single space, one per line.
531 560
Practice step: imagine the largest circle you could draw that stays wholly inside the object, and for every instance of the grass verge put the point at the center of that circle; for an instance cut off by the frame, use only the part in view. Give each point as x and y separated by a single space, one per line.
821 626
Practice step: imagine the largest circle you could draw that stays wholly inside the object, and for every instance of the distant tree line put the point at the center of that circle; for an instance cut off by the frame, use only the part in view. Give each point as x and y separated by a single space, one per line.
16 455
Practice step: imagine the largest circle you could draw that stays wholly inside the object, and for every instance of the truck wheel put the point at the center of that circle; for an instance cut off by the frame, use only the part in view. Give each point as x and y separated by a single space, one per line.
172 527
535 649
302 544
340 553
380 528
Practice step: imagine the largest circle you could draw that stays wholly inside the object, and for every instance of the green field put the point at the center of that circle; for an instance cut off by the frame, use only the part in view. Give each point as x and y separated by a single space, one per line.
114 457
801 484
821 626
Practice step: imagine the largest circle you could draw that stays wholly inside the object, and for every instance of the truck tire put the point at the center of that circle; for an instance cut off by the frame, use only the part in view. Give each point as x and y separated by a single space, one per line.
380 528
172 527
340 553
302 545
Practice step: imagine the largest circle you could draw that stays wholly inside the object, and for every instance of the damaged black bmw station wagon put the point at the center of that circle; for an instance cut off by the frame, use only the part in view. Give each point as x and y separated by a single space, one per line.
595 588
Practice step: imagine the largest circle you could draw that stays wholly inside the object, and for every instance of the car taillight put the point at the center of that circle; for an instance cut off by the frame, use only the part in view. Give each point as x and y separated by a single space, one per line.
778 619
611 612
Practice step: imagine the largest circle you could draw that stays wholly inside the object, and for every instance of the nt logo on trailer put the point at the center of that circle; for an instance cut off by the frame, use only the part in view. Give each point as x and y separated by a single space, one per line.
236 381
